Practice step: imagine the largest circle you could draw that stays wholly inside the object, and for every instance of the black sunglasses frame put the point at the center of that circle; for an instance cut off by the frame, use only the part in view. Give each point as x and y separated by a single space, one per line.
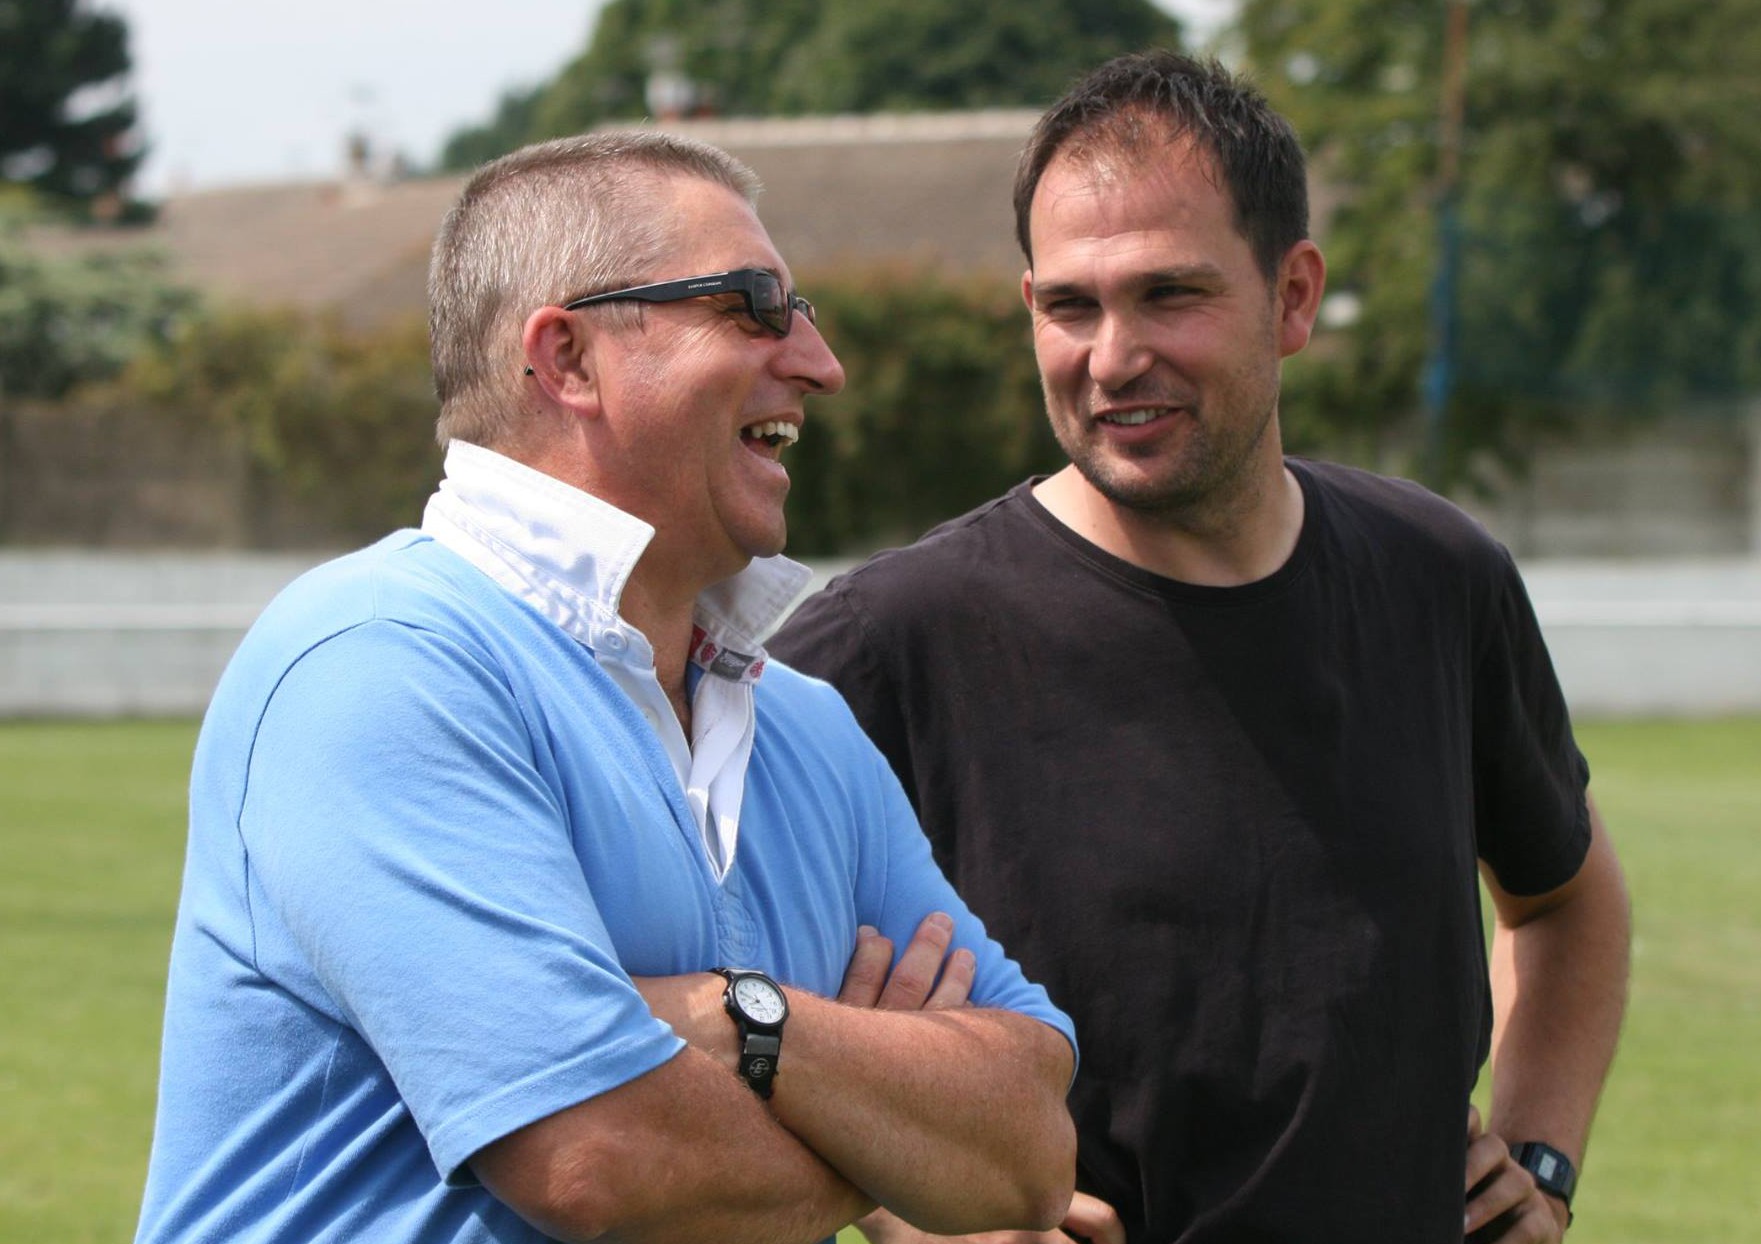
743 281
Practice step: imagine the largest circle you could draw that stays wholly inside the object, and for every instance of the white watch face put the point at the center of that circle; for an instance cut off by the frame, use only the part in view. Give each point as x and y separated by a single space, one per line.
760 999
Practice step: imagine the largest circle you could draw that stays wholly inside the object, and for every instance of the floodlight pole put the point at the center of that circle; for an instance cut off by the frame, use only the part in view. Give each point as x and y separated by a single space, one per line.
1439 373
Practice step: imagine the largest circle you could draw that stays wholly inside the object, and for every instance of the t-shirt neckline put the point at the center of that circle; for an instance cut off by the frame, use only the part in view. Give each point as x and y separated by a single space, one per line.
1175 589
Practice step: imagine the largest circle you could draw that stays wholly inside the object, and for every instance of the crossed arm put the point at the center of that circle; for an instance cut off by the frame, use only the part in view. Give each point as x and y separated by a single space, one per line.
952 1117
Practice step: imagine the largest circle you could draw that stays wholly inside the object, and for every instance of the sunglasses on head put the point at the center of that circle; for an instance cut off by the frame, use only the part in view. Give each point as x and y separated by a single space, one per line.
770 305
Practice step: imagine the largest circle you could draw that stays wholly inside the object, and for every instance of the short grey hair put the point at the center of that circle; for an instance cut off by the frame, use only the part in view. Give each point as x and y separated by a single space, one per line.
546 224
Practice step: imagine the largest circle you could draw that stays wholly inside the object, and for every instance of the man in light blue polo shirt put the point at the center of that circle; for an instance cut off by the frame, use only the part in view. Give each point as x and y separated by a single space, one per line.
523 900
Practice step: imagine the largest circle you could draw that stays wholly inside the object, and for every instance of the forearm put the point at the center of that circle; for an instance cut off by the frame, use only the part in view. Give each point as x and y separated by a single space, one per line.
1559 978
954 1120
952 1117
682 1155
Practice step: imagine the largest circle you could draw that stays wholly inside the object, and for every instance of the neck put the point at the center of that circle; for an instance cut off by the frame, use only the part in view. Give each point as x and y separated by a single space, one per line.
1224 542
665 618
663 611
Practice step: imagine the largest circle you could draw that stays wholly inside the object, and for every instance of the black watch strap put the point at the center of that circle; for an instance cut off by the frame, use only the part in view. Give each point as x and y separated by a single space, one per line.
1554 1174
758 1061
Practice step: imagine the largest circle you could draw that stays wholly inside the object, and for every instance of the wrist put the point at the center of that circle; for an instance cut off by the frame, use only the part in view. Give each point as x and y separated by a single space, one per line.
1554 1175
758 1009
1561 1211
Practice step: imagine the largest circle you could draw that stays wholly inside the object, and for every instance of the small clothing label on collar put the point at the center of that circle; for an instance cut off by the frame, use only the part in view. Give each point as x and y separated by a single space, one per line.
712 658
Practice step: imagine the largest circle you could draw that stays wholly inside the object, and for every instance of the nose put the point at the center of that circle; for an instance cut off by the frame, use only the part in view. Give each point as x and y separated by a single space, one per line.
1118 354
808 360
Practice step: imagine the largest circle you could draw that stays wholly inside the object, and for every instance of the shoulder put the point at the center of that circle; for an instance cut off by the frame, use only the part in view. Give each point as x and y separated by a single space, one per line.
404 578
798 702
1397 514
807 720
988 543
379 599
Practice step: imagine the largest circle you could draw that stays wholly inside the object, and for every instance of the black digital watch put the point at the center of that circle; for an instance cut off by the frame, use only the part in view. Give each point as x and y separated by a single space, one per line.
1554 1174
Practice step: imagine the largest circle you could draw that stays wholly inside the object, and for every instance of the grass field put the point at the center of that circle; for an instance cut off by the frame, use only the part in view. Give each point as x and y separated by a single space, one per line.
91 832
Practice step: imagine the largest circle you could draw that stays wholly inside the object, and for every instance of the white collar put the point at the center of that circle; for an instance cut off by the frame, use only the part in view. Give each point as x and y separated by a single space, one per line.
570 555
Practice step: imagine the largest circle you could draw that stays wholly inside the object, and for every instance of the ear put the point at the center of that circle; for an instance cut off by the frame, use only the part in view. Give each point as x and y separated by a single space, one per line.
559 355
1027 288
1302 279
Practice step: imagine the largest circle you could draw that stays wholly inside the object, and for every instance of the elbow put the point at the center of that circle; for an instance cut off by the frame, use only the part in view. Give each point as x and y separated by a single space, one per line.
573 1199
1041 1176
1032 1185
555 1199
1050 1195
1047 1200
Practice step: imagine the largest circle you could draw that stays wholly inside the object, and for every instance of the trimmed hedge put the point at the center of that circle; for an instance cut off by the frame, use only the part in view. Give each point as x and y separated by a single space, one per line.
942 410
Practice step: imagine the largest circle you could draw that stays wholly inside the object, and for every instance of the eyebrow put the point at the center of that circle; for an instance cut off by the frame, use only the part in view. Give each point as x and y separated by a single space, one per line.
1181 274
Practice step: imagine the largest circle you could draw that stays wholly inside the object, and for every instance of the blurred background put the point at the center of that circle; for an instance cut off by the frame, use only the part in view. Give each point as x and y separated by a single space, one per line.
1543 226
1542 218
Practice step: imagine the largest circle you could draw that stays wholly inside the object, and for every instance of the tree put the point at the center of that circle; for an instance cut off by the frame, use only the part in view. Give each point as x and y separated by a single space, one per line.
771 57
942 410
68 321
66 119
338 421
1609 208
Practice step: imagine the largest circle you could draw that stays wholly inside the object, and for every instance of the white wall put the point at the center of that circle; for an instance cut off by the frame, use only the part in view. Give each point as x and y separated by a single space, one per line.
1677 638
117 634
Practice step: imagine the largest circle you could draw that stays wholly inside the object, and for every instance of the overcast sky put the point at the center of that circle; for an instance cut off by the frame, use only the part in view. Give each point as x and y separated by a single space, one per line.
235 91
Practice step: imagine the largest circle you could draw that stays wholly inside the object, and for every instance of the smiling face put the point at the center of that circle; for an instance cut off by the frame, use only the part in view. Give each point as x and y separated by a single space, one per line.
1159 338
699 401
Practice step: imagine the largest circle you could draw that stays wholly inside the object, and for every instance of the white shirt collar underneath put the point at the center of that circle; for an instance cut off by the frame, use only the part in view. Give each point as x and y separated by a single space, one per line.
569 555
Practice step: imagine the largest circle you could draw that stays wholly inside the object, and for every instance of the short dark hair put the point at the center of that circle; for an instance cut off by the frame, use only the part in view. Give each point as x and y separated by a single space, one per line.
1138 103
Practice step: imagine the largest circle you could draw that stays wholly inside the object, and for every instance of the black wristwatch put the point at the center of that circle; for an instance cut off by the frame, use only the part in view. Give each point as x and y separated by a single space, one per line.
1554 1174
758 1008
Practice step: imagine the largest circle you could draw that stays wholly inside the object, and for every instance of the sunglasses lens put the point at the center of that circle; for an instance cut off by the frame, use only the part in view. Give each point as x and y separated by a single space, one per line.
769 304
805 308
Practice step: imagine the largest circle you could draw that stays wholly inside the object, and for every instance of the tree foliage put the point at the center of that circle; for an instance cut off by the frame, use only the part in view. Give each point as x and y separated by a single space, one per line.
339 421
1609 206
942 409
70 320
66 118
779 57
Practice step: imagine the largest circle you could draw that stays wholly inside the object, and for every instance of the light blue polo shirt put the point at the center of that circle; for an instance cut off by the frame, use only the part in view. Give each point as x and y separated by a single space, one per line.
431 840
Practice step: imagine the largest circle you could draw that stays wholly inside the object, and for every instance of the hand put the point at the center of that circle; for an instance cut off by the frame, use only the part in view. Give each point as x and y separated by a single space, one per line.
1503 1202
926 978
1089 1218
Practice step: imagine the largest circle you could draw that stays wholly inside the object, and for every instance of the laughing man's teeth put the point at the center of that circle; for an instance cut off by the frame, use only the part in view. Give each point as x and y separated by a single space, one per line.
1131 418
776 432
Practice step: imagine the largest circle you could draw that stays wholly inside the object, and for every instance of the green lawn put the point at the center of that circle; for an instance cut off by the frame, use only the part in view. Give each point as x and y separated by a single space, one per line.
91 830
1674 1152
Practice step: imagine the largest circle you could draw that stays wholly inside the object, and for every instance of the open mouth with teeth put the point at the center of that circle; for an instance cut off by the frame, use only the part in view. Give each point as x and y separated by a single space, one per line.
771 434
1132 418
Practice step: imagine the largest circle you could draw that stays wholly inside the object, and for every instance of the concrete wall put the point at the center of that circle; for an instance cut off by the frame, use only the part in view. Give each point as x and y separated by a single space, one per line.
115 634
105 634
1643 639
1687 485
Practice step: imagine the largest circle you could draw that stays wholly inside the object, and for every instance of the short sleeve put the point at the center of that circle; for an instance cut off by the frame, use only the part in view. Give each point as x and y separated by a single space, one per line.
1532 821
405 851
